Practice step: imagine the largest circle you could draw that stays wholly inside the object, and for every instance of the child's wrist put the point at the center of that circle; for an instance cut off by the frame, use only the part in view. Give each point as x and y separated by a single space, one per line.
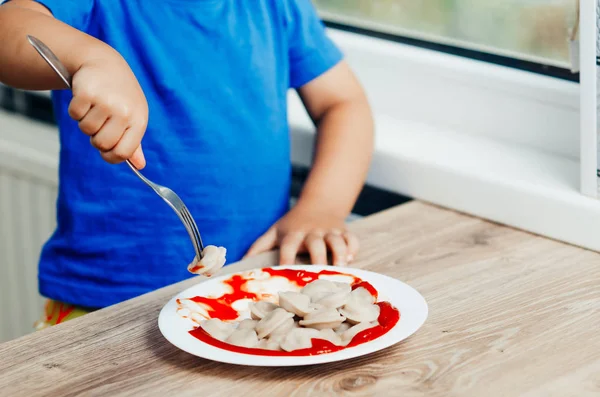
322 205
96 53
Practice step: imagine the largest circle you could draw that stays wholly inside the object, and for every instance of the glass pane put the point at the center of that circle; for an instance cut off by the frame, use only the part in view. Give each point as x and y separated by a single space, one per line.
535 30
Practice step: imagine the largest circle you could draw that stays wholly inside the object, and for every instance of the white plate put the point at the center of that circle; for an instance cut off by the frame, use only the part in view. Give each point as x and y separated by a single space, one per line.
412 307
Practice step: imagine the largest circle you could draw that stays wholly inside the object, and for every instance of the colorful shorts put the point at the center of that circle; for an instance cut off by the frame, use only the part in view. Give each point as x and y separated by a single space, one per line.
59 312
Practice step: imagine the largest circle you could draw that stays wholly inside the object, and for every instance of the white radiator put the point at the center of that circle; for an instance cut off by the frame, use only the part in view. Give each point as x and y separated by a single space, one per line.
28 183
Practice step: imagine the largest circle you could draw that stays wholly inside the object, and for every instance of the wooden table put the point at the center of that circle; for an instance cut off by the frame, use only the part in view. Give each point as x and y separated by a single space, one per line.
511 314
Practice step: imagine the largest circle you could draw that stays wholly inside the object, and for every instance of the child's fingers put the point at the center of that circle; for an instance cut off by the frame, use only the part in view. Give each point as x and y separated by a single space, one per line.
80 105
265 243
337 246
125 148
315 245
109 135
353 245
289 247
93 120
138 159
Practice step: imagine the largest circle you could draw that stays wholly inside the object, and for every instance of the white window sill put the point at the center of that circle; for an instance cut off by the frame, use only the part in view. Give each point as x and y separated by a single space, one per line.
520 187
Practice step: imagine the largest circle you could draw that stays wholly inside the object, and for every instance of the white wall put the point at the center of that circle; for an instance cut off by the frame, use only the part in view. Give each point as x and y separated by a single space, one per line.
28 167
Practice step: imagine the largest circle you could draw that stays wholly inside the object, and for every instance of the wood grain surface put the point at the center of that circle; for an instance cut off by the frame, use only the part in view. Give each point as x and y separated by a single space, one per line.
511 314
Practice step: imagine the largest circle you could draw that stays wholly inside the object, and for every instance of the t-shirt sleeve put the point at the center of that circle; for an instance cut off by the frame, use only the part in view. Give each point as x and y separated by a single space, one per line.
75 13
311 52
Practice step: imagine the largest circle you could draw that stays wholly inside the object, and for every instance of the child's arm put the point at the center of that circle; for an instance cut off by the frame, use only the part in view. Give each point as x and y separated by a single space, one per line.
107 99
339 108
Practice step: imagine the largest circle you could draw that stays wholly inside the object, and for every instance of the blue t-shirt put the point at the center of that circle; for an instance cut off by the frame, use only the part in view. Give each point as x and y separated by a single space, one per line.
216 75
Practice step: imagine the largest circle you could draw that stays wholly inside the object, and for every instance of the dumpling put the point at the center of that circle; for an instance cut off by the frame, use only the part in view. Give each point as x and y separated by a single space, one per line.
342 287
359 309
334 300
213 259
330 336
270 344
273 342
295 302
363 295
278 337
217 329
324 318
272 321
318 289
359 312
260 309
283 328
243 338
343 327
299 338
247 324
355 330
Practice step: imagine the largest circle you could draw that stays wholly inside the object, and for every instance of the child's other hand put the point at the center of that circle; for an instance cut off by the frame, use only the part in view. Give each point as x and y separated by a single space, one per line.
302 230
111 108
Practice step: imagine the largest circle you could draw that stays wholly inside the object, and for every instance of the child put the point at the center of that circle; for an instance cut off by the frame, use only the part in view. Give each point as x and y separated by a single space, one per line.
204 82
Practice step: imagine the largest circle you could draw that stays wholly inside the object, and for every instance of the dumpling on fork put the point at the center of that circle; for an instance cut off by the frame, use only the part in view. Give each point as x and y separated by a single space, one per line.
213 259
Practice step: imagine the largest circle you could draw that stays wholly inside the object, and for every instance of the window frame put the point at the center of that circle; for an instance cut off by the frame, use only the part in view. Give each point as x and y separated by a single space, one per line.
478 55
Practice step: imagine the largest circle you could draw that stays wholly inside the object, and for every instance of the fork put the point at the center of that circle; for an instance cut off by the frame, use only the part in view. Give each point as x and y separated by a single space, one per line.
164 192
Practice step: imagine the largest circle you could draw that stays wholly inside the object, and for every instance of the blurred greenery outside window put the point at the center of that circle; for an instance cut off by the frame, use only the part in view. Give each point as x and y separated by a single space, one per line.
531 30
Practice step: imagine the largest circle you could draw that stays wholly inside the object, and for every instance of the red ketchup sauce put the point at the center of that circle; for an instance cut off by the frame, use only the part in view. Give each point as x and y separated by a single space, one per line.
221 308
196 268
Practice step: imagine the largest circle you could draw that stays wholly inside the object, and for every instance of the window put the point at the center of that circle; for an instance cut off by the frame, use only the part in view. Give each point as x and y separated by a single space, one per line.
478 137
530 30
